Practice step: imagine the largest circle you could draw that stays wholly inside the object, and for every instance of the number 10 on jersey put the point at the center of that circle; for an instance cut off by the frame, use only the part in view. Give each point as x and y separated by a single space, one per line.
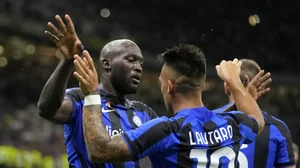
226 152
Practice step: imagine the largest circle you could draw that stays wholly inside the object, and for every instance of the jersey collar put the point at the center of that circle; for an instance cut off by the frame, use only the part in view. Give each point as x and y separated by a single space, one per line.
195 110
113 100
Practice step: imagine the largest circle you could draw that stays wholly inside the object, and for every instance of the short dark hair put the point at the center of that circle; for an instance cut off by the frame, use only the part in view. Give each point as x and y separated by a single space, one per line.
250 68
187 60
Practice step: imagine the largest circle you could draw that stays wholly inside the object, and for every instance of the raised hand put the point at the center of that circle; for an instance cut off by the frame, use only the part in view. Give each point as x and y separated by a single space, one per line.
65 37
228 70
260 83
86 73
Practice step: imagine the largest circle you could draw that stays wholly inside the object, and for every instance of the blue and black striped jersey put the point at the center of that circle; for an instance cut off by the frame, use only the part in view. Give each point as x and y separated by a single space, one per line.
272 148
116 118
194 137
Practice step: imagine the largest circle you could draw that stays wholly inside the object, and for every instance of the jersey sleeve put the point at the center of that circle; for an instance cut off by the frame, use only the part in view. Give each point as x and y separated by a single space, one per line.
247 124
285 152
143 107
150 138
76 97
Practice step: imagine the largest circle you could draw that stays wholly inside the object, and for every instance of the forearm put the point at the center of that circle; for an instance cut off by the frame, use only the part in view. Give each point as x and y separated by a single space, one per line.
53 92
95 134
245 102
100 146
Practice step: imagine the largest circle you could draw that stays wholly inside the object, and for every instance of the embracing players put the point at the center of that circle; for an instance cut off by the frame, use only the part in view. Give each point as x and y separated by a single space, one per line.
274 146
195 136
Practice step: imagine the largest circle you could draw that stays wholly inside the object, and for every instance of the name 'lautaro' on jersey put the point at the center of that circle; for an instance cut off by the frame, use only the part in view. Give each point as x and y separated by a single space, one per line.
213 137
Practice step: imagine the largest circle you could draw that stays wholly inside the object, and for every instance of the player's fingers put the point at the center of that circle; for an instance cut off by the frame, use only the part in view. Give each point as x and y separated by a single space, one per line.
263 92
79 77
70 24
85 60
61 25
256 80
54 30
51 36
85 66
265 77
222 62
79 68
81 62
217 68
235 61
265 84
259 75
239 63
90 61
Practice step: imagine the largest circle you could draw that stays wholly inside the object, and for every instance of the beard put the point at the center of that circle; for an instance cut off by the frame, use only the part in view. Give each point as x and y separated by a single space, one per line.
123 83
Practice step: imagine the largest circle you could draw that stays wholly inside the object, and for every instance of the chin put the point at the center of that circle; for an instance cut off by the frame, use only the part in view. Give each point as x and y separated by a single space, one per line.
132 89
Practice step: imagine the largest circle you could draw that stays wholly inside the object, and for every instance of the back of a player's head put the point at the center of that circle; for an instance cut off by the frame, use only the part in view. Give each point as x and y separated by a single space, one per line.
186 65
250 68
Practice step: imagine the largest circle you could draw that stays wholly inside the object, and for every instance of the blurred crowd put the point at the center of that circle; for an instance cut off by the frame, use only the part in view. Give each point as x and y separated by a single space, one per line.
221 28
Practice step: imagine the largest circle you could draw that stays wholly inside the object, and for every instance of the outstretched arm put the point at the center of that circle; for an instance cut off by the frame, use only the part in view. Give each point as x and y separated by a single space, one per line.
229 72
52 103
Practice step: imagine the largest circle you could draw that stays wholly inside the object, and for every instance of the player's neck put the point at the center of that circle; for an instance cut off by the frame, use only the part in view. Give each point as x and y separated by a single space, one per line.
186 102
108 88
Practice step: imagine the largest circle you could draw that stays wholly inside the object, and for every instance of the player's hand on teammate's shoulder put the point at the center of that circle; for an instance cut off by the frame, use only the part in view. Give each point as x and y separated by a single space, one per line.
65 37
229 70
86 73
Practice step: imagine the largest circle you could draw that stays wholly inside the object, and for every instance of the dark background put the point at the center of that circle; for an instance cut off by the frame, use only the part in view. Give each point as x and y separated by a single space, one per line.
219 27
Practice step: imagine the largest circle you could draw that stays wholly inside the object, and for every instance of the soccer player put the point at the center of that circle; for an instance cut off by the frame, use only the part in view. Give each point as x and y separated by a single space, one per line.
121 68
273 147
195 137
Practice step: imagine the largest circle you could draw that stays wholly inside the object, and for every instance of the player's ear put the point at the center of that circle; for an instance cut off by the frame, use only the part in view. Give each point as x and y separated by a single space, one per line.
171 86
106 65
226 89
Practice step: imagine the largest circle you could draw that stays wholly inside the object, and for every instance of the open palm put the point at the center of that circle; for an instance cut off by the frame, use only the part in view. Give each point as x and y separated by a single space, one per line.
65 37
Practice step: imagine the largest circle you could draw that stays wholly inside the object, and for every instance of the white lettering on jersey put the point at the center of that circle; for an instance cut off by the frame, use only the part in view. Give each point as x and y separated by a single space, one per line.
113 132
216 136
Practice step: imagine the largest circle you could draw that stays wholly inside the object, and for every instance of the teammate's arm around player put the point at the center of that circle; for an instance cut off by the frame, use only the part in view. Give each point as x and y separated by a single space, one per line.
52 103
231 76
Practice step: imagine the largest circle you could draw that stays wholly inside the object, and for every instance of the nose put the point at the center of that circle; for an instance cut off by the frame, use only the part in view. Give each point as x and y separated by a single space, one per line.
138 67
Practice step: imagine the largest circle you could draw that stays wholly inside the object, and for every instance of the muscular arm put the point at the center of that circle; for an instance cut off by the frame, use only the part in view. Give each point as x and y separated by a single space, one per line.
52 105
245 102
101 147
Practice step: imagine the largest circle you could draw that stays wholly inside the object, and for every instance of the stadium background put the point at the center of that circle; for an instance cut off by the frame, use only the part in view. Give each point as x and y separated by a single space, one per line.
219 27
